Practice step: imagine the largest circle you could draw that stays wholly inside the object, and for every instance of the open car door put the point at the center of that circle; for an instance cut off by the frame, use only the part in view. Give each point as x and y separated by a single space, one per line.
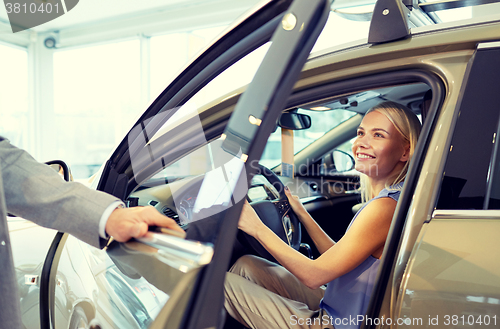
167 282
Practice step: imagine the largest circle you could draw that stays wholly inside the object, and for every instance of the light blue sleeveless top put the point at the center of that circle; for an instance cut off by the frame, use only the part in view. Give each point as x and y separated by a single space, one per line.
347 296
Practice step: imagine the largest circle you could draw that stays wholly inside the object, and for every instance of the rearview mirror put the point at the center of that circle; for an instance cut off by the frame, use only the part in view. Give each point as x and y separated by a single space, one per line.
294 121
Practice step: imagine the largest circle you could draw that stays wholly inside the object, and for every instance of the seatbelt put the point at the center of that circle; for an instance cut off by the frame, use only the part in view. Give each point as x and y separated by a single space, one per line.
287 153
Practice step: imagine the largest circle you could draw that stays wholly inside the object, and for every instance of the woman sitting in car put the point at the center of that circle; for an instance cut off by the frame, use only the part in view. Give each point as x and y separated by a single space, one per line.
261 294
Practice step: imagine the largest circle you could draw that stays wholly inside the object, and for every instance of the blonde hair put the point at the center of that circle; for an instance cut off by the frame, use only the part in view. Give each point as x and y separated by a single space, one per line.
408 125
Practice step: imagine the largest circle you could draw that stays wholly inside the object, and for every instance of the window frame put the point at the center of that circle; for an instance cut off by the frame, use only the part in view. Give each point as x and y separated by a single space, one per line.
475 113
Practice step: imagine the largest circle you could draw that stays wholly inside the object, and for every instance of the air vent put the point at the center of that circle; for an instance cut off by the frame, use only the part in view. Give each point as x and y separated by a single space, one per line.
170 213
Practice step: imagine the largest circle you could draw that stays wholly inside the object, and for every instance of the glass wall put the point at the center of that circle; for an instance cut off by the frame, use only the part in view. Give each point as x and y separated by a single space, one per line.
97 92
170 53
96 99
14 95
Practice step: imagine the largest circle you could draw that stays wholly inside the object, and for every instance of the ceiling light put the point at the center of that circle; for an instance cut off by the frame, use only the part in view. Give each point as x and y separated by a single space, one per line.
320 108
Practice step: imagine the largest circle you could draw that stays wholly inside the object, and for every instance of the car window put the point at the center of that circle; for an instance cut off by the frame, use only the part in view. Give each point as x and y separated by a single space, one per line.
472 166
321 123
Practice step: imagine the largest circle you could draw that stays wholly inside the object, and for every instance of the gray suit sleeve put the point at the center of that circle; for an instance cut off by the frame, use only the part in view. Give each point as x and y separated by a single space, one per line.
36 192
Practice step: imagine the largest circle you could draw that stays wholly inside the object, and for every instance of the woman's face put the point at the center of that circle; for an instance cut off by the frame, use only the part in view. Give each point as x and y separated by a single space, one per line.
379 149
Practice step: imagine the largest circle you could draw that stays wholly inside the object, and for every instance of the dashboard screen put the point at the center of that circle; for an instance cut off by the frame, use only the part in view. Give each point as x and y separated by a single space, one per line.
257 193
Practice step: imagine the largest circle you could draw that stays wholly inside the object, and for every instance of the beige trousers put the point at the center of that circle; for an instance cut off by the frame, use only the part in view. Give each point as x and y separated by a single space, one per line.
261 294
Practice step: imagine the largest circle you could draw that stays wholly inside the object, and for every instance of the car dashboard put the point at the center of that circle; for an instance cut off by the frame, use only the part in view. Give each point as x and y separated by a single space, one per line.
180 198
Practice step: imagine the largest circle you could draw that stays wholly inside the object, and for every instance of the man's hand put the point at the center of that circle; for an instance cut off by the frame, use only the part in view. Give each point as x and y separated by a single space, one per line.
126 223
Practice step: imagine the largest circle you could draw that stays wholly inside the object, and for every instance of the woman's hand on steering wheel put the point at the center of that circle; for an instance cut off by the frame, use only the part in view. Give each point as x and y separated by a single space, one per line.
295 203
275 215
250 222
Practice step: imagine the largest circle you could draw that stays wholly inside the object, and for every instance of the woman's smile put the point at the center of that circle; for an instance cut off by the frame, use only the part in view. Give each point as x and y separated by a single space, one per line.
364 156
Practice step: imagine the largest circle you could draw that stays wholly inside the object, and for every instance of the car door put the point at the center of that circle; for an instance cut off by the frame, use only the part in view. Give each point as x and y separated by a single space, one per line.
452 275
88 286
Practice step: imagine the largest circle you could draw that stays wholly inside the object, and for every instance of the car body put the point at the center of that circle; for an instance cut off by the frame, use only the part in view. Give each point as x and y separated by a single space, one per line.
441 262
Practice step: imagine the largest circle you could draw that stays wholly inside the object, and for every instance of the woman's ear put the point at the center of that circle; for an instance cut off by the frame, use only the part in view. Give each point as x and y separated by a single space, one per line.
406 153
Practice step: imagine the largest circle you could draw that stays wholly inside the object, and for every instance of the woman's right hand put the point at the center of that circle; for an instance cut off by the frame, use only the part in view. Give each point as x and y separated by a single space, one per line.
295 203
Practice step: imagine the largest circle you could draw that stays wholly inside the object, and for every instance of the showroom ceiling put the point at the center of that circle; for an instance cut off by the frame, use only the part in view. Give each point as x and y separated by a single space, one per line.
88 12
99 21
109 19
92 11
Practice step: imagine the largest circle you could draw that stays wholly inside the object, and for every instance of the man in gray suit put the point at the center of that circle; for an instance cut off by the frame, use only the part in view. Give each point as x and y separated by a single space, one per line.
36 192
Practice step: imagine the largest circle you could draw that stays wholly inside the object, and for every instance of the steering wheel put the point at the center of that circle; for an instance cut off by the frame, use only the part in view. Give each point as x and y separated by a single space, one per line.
277 215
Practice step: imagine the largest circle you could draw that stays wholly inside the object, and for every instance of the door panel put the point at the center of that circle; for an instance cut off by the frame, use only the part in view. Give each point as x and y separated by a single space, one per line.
129 285
455 277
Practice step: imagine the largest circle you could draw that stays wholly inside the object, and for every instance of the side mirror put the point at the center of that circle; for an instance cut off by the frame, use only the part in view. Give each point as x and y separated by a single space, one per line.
62 168
294 121
337 161
343 161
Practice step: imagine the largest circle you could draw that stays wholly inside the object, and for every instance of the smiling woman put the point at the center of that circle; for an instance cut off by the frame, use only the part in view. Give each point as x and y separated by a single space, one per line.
259 292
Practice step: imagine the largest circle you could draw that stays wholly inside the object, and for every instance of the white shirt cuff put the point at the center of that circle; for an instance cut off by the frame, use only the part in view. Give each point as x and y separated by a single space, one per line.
105 216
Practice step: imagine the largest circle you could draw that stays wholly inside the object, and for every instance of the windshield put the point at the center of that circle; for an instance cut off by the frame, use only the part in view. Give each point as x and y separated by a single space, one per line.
321 123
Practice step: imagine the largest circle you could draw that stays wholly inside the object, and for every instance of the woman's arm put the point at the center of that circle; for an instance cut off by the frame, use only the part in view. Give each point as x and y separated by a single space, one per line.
321 240
366 236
